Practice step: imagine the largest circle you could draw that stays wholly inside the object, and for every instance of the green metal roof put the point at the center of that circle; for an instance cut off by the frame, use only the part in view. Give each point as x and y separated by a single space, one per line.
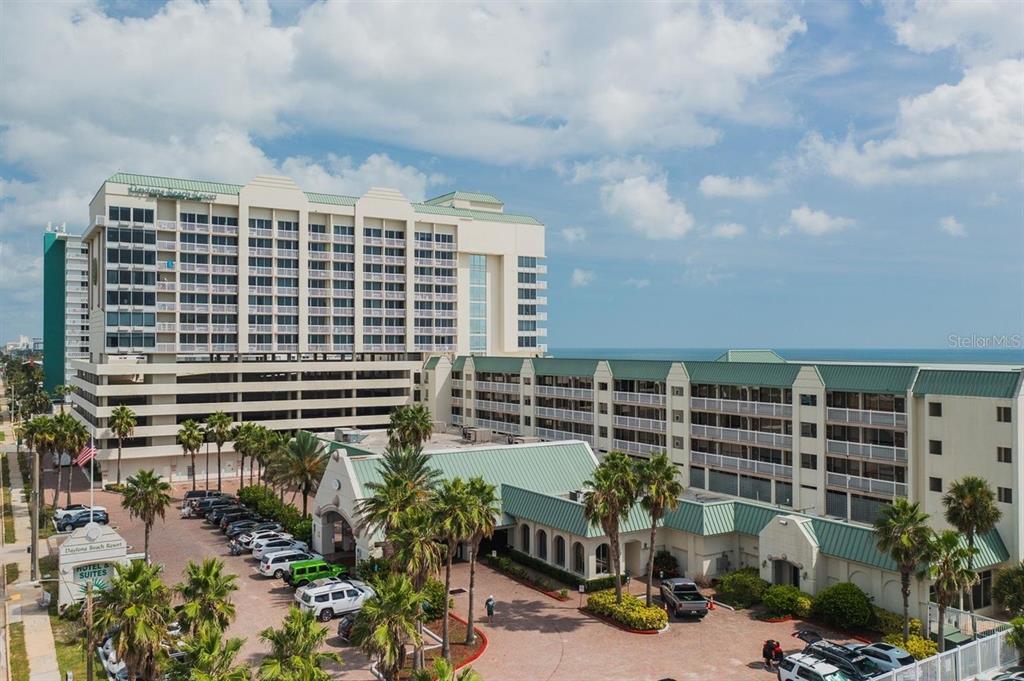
331 199
175 183
476 214
991 549
768 374
459 363
749 356
967 383
465 196
639 369
551 366
498 365
562 513
432 362
867 378
752 518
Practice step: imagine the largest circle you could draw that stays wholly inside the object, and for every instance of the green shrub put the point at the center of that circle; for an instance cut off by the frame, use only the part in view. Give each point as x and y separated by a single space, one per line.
114 487
631 612
372 569
433 603
563 593
741 588
887 622
804 606
781 599
666 564
512 565
844 605
266 503
917 646
1016 636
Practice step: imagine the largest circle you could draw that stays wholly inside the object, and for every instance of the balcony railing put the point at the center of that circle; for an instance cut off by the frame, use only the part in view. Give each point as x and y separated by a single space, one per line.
753 437
742 407
866 451
502 407
456 419
499 426
867 417
652 425
735 463
457 383
557 391
872 485
494 386
637 447
564 414
549 434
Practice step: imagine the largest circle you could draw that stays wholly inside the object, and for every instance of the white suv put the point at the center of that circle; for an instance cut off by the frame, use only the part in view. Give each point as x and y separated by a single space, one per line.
801 667
247 539
334 599
265 546
280 562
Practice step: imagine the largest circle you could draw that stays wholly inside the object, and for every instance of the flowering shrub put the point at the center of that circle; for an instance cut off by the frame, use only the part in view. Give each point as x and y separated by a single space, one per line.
887 622
632 612
919 647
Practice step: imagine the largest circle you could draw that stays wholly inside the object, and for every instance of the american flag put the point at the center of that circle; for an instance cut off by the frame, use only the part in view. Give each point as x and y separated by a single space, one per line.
86 455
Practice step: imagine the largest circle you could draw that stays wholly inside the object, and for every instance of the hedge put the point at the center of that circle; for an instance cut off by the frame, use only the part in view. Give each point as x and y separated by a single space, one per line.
741 588
917 646
844 605
887 622
266 503
507 565
783 599
632 612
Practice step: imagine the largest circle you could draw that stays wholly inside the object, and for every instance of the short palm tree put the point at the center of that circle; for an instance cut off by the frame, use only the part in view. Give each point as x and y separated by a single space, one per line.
389 621
207 593
304 464
949 573
295 653
410 426
209 657
484 510
902 533
61 392
122 424
971 508
607 500
218 430
452 523
659 489
146 496
443 670
1008 589
137 606
190 437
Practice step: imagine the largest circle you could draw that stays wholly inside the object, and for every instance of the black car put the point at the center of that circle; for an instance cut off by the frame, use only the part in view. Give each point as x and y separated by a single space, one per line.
211 503
232 516
77 519
240 525
856 666
214 516
258 527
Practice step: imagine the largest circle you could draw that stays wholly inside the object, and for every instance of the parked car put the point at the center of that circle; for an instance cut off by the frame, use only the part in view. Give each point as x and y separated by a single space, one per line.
195 495
213 516
802 667
70 521
1015 673
75 508
1010 676
276 564
247 539
683 598
231 516
240 525
258 526
323 581
334 599
303 573
856 666
886 656
265 546
206 505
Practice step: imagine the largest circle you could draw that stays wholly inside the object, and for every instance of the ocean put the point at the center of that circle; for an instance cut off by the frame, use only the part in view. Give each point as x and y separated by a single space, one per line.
1012 356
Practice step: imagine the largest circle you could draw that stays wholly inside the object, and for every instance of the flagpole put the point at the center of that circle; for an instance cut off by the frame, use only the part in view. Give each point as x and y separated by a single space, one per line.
92 445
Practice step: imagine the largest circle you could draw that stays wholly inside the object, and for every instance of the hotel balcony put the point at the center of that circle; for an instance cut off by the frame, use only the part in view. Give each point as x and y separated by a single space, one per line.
166 286
742 407
871 485
224 269
500 407
222 307
631 447
187 247
166 245
638 398
735 463
633 423
499 426
866 417
456 419
494 386
457 383
752 437
866 451
261 233
319 236
557 391
570 415
549 434
224 229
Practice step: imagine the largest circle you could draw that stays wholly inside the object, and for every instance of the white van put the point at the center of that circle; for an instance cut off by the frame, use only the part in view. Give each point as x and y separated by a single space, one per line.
278 563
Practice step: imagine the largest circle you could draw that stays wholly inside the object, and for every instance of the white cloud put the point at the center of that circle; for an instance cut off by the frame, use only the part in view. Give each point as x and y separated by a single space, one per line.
341 175
727 230
607 169
581 277
981 31
951 226
814 222
638 283
645 205
574 235
734 187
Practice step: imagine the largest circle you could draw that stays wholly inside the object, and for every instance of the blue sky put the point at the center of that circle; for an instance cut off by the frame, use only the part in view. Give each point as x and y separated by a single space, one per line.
788 175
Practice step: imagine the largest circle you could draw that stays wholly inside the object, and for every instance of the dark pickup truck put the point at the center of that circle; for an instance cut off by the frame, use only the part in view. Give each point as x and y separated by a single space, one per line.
683 598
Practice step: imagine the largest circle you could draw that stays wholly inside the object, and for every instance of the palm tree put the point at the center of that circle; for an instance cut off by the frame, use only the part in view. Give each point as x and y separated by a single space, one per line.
1008 589
659 492
190 437
244 435
146 496
218 428
418 551
410 426
901 532
444 671
971 508
122 424
61 392
207 595
73 436
295 650
949 573
608 499
406 481
483 511
453 523
387 622
303 465
137 606
209 657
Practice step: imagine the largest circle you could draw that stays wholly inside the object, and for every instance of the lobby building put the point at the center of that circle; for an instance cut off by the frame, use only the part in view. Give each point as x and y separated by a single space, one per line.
65 305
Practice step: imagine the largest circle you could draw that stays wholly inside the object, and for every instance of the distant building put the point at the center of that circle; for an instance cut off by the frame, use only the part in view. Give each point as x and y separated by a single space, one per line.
65 306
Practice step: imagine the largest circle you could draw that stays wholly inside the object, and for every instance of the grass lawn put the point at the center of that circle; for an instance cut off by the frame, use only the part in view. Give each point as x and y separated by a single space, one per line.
8 510
19 655
11 572
67 635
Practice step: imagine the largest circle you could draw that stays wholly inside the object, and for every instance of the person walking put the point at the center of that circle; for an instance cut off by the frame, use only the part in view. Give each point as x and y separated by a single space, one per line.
767 652
489 604
777 654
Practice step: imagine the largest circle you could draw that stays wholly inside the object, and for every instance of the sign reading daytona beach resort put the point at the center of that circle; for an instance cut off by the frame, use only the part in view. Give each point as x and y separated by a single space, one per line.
157 192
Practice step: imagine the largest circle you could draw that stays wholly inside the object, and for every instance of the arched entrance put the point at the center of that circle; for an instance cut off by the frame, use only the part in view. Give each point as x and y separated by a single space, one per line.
335 538
785 572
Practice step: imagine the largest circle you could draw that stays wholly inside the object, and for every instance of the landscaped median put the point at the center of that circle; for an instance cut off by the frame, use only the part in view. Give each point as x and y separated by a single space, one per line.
632 614
518 566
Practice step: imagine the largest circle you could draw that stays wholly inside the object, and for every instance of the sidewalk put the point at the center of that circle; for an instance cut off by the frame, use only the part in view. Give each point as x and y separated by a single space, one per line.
21 603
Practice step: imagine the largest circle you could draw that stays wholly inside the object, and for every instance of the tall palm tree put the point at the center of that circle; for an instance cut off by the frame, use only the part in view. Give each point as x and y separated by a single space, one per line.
73 436
410 426
411 465
659 491
387 622
295 650
218 429
453 523
146 496
417 550
483 511
190 437
607 500
949 573
901 532
303 465
207 594
209 657
61 392
244 435
406 481
137 605
971 508
122 424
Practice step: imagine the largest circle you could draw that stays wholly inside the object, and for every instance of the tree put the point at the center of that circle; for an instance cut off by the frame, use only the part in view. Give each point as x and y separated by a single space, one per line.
295 650
303 464
72 436
218 428
122 424
190 437
971 508
61 392
659 492
949 573
901 532
207 594
419 553
444 671
136 605
483 511
1008 589
410 426
406 481
608 499
146 496
245 444
387 621
209 657
453 522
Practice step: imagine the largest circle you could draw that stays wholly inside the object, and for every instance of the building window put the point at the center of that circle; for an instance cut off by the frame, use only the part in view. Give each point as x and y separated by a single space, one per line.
935 409
1005 495
603 560
678 416
542 544
677 391
935 447
478 303
602 431
579 563
982 589
678 443
809 461
602 408
524 539
808 429
526 400
560 551
1004 455
602 386
935 484
809 400
1003 414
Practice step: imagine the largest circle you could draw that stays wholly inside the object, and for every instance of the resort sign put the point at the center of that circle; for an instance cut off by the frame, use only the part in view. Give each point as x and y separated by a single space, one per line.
159 192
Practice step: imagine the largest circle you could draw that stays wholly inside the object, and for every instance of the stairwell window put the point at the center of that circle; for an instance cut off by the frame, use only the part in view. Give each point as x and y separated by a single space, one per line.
935 409
1003 415
935 484
935 447
1005 495
1004 455
808 429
